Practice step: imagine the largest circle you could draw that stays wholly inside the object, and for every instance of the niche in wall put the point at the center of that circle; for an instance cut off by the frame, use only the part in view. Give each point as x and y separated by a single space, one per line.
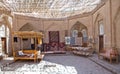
79 34
15 39
27 27
24 39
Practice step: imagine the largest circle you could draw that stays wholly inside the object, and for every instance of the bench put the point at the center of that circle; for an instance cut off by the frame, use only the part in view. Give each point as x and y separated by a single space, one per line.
109 53
84 51
28 55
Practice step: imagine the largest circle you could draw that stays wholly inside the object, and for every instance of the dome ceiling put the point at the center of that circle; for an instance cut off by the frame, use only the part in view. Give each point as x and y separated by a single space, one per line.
50 8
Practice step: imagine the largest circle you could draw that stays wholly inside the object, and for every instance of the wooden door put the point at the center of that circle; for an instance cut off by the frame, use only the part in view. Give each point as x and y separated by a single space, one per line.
54 40
4 45
101 43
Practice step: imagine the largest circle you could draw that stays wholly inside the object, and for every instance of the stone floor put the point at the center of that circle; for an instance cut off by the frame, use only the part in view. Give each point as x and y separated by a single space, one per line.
113 67
63 64
83 65
6 61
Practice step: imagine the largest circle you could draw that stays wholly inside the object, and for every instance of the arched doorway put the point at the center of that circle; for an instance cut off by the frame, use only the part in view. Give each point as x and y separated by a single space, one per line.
29 43
4 36
99 33
79 34
5 29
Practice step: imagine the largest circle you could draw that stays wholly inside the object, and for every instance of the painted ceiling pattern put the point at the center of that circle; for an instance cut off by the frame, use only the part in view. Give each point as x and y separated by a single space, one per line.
49 8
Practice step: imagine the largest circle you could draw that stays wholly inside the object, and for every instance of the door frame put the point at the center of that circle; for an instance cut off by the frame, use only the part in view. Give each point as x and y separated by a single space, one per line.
54 41
101 42
4 50
101 34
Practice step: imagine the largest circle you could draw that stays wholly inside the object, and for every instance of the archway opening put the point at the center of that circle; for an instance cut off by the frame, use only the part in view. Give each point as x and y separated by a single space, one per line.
30 42
27 27
79 35
101 35
4 39
5 29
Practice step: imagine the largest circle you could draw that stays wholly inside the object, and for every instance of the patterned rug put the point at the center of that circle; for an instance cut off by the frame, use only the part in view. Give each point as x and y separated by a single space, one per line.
44 67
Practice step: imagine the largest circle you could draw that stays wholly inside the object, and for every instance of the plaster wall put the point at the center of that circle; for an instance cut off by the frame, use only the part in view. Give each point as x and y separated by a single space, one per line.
42 25
116 23
55 25
20 21
87 21
107 13
102 13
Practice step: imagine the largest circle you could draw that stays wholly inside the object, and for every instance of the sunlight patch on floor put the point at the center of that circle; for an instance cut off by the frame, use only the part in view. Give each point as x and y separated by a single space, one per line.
8 58
45 67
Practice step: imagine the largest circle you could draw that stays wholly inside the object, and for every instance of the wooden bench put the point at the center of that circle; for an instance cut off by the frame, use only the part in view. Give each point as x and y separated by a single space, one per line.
29 55
109 53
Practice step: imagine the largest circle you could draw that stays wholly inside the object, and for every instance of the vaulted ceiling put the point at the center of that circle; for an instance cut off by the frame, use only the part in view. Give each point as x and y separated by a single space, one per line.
49 8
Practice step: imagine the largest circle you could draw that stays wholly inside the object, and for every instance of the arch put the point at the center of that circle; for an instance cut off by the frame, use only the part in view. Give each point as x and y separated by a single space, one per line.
4 20
99 17
98 28
116 28
79 32
78 27
27 27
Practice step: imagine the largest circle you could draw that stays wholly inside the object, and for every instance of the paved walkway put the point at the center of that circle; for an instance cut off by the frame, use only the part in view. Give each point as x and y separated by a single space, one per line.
113 67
